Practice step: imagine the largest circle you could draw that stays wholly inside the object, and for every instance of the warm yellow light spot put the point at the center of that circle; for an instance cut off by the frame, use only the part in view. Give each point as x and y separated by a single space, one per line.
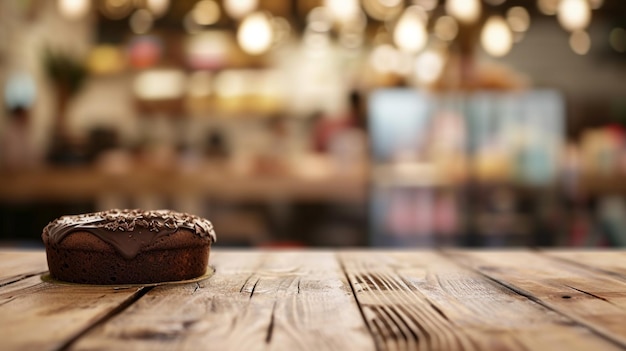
239 8
159 84
518 19
116 9
73 9
410 32
574 14
548 7
580 42
466 11
446 28
496 37
428 67
141 21
158 7
206 12
255 33
343 10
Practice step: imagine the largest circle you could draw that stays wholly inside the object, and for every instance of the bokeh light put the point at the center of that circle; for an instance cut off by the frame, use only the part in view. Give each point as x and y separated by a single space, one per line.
518 19
158 7
382 10
116 9
162 84
496 37
410 32
255 33
206 12
574 14
617 39
319 19
428 66
74 9
240 8
428 5
446 28
141 21
580 42
548 7
466 11
342 10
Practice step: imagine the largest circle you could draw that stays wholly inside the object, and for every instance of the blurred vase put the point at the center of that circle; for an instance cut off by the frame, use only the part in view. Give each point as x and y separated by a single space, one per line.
67 76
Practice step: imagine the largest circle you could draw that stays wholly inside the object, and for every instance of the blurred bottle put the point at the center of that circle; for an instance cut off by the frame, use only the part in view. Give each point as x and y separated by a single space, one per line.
18 150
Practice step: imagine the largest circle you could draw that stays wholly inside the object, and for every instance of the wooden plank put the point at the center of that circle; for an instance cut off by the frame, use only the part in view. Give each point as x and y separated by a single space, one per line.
37 315
594 300
21 263
611 262
209 311
256 300
421 300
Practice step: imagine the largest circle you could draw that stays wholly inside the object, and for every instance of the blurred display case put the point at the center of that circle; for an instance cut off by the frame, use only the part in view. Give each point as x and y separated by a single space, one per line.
478 168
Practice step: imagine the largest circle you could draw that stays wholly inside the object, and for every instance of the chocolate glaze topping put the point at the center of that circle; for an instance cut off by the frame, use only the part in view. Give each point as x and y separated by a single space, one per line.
128 230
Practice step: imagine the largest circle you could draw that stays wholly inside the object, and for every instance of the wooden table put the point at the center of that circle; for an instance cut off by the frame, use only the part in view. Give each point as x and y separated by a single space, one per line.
332 300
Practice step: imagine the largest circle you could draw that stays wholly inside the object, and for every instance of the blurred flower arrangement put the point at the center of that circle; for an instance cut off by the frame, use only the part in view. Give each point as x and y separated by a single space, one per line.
68 75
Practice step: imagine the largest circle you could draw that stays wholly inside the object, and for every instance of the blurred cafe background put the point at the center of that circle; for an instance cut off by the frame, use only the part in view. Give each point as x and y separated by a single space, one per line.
288 123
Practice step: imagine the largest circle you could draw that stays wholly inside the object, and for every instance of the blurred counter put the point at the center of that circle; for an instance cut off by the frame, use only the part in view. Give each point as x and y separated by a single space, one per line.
213 180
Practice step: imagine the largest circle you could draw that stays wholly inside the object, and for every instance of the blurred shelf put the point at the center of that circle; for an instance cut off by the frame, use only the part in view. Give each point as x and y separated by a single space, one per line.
604 184
213 181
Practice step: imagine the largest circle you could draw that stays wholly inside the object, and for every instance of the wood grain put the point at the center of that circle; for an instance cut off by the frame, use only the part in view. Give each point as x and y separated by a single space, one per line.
18 265
611 262
594 300
421 300
256 300
36 315
324 300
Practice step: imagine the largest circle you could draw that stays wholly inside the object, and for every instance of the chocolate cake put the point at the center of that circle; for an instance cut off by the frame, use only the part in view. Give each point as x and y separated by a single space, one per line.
128 247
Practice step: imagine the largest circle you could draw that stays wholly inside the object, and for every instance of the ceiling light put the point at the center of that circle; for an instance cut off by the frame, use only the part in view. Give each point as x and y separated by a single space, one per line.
159 84
548 7
116 9
343 10
206 12
376 10
518 19
141 21
466 11
240 8
428 67
574 14
496 37
427 5
255 33
446 28
319 19
580 42
73 9
410 32
157 7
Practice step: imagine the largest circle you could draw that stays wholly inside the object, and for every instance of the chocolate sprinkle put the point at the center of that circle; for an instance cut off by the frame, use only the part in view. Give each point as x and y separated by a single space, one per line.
143 227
